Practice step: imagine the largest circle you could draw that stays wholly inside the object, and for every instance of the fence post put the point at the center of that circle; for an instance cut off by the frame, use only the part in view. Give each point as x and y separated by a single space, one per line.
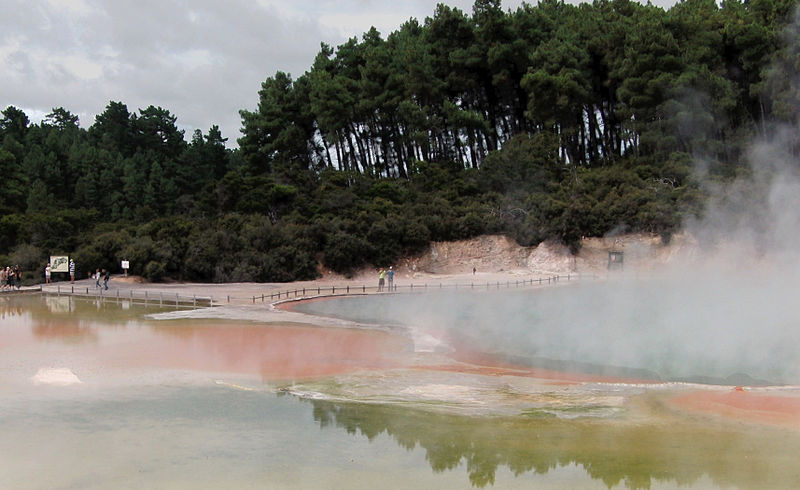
363 288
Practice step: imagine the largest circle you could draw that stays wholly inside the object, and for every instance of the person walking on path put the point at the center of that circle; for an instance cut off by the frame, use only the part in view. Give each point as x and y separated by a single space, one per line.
390 276
106 277
381 279
72 271
97 278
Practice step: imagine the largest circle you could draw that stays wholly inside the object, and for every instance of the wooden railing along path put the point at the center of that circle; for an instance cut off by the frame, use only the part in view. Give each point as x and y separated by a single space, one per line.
162 298
133 295
415 288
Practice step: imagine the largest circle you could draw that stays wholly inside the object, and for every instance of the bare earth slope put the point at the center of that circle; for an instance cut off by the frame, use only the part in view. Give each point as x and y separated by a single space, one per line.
496 254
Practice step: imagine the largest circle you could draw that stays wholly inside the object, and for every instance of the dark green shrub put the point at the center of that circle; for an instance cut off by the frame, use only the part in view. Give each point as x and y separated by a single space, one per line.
154 271
29 258
344 252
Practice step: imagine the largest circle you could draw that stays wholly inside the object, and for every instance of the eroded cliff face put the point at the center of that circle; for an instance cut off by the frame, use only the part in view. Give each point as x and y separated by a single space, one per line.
495 253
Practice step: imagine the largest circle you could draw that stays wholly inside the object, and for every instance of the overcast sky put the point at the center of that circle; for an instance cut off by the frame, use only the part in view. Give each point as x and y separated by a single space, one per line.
203 60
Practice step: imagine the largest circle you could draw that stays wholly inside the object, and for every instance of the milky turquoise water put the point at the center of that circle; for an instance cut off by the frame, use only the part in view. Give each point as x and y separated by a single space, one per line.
664 329
84 403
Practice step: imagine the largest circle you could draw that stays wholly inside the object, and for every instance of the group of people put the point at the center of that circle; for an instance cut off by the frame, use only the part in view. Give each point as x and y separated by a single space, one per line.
383 276
103 275
48 272
10 277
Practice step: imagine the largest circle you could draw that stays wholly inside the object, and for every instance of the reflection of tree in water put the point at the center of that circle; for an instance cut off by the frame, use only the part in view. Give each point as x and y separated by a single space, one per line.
71 319
9 309
614 452
106 311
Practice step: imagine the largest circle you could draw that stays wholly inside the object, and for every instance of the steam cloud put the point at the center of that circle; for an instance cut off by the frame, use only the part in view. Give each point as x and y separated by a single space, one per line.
724 310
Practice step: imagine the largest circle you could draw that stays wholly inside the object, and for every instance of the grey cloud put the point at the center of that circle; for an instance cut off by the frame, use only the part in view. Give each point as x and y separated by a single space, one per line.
145 50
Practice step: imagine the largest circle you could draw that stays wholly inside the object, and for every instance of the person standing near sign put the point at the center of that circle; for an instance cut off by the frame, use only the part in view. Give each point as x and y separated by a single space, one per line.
47 272
72 271
381 279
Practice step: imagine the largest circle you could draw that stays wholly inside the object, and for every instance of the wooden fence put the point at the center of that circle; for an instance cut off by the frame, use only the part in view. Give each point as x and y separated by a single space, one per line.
161 298
414 288
143 296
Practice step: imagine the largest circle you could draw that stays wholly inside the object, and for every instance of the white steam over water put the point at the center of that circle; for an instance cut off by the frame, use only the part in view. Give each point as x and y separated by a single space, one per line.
668 327
724 310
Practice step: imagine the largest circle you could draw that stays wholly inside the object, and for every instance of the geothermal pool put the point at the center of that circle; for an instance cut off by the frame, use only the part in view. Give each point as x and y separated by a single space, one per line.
103 395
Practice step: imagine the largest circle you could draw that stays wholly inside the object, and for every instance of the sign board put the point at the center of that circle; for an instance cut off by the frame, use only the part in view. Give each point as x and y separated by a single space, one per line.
615 260
59 263
126 265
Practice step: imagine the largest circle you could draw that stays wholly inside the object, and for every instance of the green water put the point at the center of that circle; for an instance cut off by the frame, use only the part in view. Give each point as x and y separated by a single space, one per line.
144 425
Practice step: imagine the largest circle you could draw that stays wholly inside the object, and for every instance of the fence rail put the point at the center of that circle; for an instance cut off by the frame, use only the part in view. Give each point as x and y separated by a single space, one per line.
415 288
132 295
162 298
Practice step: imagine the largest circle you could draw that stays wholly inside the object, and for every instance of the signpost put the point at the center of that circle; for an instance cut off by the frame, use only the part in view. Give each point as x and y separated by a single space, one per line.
125 267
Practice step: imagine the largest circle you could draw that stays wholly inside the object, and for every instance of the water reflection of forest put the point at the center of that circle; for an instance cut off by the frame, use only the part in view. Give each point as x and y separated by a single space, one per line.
634 455
9 309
